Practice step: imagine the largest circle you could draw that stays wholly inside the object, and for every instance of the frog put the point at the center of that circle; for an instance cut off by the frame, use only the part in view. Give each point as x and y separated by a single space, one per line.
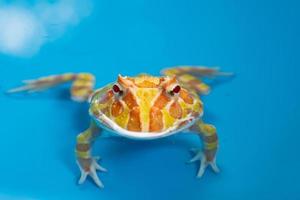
142 107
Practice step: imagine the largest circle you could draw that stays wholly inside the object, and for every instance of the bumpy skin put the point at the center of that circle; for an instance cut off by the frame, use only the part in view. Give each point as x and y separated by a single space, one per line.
145 104
141 107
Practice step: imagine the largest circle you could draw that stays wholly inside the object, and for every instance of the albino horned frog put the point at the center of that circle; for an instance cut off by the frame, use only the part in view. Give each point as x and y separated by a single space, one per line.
143 107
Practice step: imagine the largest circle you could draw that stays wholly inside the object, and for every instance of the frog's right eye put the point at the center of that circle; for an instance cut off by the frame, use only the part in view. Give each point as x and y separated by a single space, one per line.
117 89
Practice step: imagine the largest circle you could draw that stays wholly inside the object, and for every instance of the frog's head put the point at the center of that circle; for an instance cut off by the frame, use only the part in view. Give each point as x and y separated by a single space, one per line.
146 104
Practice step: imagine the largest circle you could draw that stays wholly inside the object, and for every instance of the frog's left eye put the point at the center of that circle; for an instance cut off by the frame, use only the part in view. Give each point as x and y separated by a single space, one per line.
117 89
176 89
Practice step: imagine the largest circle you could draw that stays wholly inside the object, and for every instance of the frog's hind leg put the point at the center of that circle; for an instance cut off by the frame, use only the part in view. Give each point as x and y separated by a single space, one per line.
88 164
207 155
81 89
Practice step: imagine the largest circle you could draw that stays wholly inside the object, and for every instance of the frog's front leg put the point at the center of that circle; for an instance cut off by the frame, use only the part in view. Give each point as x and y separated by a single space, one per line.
87 163
206 155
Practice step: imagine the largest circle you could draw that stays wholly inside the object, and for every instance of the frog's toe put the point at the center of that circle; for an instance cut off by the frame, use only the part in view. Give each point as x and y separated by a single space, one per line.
197 156
214 166
82 177
201 170
97 166
93 174
200 156
95 177
91 170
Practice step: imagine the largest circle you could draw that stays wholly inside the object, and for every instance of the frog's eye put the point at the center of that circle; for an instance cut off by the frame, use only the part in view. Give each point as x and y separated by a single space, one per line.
117 90
176 89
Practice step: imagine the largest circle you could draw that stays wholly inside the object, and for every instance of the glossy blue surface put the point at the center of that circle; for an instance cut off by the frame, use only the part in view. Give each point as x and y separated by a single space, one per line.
257 113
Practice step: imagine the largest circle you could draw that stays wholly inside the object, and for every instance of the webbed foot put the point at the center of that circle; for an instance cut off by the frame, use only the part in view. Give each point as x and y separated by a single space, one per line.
204 162
89 167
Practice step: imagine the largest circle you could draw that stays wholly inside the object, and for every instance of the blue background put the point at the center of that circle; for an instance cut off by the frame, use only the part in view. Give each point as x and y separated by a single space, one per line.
257 113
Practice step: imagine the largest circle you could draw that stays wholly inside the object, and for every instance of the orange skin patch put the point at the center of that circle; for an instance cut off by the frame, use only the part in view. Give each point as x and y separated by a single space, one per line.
130 100
116 108
186 97
156 120
162 100
124 82
134 123
175 110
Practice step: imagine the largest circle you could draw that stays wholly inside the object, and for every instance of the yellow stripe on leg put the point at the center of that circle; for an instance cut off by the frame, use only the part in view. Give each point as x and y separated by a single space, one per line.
211 145
207 129
83 154
84 137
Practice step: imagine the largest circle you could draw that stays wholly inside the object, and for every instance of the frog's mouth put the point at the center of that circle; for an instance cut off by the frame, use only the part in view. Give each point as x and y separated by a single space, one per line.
109 125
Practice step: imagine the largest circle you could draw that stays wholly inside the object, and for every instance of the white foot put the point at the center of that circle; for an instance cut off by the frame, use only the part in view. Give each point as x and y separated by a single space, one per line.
199 155
94 166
